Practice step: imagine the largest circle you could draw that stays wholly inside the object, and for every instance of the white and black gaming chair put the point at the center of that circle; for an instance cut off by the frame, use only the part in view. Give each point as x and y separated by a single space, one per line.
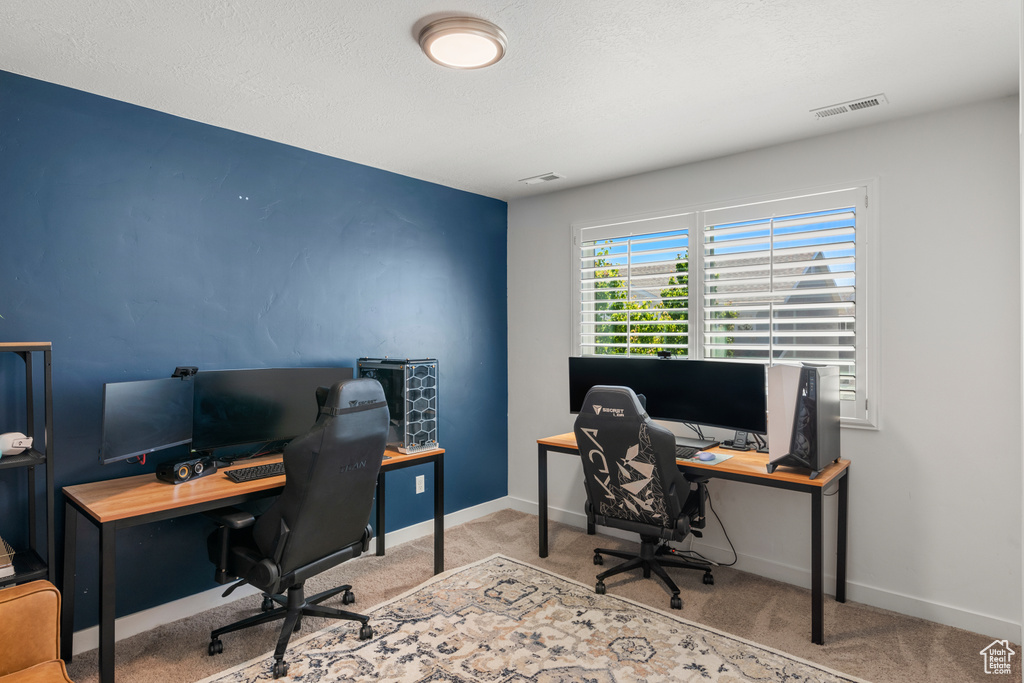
633 484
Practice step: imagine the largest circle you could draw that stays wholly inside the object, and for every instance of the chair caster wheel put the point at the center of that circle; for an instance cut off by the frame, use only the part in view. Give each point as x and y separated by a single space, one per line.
709 579
677 602
598 559
366 632
268 603
600 588
216 647
280 669
348 598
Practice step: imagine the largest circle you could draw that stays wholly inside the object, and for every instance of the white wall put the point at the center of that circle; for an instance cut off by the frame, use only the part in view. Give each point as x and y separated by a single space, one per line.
935 492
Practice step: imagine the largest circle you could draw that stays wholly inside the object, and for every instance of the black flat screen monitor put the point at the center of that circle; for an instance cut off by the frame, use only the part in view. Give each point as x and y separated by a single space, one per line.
704 392
145 416
264 405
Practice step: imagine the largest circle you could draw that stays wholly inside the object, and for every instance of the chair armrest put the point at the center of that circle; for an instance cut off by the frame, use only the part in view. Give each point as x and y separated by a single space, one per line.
29 625
231 517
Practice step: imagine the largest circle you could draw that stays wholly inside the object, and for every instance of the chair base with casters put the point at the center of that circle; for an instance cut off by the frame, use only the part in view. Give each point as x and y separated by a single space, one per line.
239 559
292 609
652 558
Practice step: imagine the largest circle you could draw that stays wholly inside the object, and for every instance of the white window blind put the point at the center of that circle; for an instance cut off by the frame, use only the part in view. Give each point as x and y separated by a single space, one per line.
633 288
783 289
779 282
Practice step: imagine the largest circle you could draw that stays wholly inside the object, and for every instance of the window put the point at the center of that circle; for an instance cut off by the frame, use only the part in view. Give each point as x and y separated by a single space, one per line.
778 280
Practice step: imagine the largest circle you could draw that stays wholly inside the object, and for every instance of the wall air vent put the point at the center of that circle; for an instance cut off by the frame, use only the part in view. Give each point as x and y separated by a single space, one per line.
847 107
542 178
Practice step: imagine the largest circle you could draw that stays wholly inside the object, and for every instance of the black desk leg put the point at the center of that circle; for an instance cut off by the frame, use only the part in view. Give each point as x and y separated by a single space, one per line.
817 566
67 583
439 514
542 498
844 484
108 602
380 514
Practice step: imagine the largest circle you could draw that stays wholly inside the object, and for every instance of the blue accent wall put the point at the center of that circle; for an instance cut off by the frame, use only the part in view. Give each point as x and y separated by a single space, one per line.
136 241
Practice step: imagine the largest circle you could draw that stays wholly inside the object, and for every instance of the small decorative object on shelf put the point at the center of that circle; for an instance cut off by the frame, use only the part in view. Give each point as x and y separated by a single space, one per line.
6 558
12 443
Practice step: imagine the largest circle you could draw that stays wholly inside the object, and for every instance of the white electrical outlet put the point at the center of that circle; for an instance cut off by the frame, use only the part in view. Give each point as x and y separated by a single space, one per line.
421 485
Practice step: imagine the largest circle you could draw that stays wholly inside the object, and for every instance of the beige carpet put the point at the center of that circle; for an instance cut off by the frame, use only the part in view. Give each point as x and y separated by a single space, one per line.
865 642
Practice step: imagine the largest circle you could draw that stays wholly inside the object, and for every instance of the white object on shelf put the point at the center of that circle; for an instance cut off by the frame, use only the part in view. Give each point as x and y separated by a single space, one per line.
13 443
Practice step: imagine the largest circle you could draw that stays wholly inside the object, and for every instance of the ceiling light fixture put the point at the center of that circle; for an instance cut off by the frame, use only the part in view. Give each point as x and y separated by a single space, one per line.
463 42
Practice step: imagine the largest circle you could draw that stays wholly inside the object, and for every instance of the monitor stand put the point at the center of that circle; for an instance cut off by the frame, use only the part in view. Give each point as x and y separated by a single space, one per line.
692 442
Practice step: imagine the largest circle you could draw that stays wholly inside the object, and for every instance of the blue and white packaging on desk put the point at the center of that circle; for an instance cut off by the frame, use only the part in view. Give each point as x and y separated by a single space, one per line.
803 416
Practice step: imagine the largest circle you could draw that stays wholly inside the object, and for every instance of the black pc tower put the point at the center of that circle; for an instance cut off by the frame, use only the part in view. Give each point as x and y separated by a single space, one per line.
803 416
410 387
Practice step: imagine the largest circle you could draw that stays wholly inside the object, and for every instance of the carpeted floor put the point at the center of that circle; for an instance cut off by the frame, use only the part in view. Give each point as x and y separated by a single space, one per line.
861 641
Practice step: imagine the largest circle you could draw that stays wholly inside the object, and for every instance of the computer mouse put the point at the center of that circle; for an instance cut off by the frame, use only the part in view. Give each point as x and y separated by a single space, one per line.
705 456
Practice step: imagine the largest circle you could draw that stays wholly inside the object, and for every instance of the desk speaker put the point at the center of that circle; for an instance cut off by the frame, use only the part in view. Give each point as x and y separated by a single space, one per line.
180 472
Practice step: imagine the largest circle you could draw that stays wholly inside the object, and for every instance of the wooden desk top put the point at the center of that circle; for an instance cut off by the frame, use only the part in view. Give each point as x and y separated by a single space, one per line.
24 346
143 494
748 463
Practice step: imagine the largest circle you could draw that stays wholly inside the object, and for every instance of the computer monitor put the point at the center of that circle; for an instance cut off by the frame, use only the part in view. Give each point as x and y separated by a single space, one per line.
704 392
265 406
144 416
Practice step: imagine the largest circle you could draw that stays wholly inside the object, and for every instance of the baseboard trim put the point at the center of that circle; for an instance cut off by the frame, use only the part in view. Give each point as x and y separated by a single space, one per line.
948 615
133 624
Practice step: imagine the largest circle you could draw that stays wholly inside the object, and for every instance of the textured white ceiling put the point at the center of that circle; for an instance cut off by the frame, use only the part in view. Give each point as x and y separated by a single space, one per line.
591 89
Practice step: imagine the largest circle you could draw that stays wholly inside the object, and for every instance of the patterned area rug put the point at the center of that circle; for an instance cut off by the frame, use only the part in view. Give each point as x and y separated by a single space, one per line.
504 621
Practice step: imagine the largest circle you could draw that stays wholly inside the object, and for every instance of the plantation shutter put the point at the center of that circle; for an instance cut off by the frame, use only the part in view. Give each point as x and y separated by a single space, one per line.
634 287
780 283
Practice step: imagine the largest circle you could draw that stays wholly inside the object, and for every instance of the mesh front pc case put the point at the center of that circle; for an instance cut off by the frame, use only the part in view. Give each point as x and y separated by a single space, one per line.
410 387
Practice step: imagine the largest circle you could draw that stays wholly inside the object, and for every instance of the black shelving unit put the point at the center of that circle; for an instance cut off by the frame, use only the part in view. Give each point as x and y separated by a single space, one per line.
34 562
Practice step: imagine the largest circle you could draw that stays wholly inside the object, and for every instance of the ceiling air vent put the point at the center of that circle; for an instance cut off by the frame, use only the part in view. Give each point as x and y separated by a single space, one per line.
847 107
542 178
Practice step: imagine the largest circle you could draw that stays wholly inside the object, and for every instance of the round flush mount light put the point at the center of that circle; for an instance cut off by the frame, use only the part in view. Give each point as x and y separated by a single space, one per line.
463 42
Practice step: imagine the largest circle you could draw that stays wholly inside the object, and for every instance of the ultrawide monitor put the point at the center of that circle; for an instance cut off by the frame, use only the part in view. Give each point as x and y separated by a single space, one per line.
265 405
145 416
704 392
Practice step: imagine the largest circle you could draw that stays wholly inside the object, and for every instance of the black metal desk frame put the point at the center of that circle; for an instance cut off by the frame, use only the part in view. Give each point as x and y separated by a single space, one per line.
438 460
817 524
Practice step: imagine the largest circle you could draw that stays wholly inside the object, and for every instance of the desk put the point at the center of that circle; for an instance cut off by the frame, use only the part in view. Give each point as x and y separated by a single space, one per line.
748 467
130 501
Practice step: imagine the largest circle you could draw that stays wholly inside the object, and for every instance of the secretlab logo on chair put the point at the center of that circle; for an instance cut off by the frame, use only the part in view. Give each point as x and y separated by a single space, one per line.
617 412
352 466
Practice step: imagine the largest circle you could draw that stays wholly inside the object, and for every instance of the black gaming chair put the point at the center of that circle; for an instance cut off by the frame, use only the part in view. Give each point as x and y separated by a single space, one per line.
633 484
319 521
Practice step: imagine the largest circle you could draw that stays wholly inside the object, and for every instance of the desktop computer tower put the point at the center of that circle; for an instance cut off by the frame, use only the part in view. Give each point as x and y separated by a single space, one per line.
803 416
411 390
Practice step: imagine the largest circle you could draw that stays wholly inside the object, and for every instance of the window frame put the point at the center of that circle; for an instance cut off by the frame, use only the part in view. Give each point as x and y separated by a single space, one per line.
863 412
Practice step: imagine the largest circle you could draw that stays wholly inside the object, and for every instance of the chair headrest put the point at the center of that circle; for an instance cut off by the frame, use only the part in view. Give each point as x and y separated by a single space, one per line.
612 402
350 396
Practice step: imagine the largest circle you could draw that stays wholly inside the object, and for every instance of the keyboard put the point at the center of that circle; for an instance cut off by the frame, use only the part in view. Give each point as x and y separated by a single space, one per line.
686 452
270 469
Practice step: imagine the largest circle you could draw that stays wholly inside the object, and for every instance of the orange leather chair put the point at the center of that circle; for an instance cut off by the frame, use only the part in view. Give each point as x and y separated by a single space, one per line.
30 634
